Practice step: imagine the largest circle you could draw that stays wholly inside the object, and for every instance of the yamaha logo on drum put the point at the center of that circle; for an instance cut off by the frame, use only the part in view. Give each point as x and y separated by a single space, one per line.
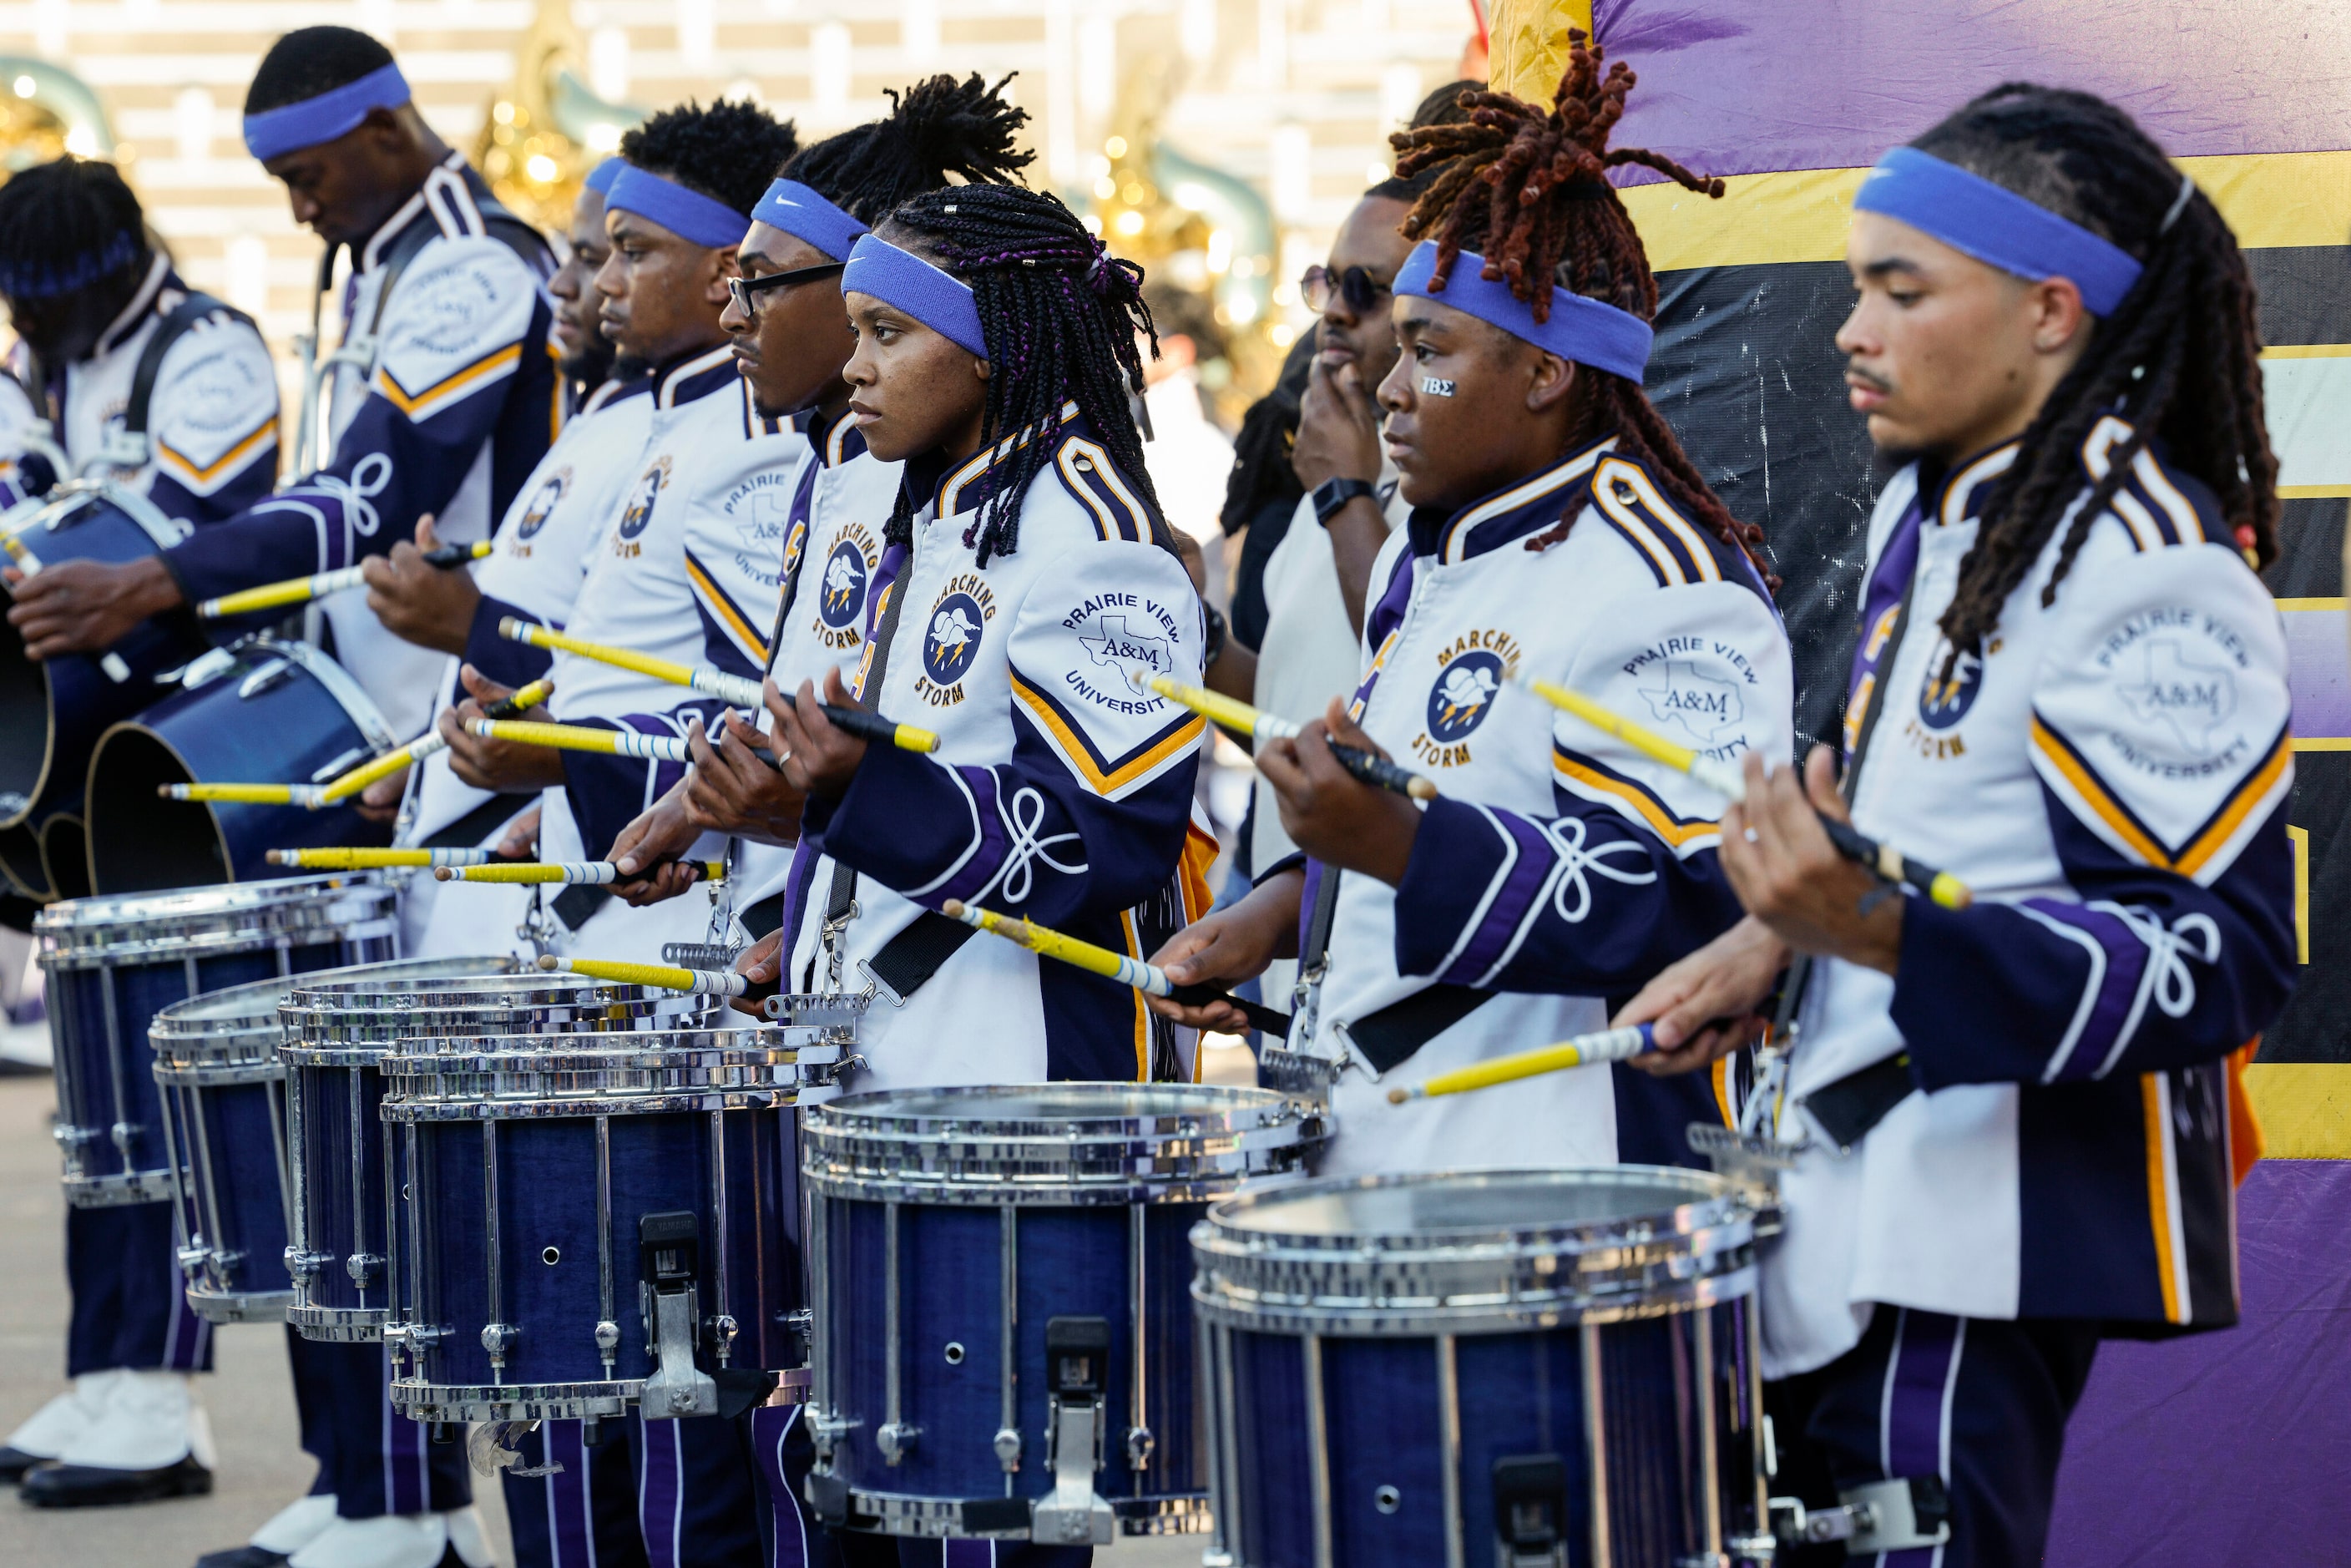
639 513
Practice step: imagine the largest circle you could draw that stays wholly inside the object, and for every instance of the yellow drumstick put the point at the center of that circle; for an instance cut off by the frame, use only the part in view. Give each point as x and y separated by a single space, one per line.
739 690
425 746
369 860
705 982
302 590
589 873
27 562
1731 785
1234 713
1069 950
305 795
581 737
1602 1045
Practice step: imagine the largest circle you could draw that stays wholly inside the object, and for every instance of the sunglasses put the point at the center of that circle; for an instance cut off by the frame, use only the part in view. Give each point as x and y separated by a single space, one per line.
1356 287
745 291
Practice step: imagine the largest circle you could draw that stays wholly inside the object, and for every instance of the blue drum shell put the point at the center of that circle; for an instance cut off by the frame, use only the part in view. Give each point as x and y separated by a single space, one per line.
275 713
231 1139
112 964
1385 1355
52 712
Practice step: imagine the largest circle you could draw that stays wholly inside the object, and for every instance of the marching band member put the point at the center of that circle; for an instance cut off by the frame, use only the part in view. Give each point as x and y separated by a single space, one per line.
441 397
685 566
2018 1120
791 338
94 303
996 355
1557 530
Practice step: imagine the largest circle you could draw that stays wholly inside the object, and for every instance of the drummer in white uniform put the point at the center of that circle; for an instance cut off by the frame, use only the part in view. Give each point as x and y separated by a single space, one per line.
687 564
91 302
1557 532
790 337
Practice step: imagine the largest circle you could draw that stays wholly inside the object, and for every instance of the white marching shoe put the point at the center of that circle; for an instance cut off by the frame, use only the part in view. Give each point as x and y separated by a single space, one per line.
285 1533
453 1539
48 1431
152 1441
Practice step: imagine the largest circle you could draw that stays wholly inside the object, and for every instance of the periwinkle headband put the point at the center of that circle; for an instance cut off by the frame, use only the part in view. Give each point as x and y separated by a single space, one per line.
1996 226
46 280
274 133
692 216
1580 328
600 179
942 302
806 215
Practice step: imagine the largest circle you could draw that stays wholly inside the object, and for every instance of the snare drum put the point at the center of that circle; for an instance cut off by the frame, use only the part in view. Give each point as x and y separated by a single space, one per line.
592 1220
112 963
1004 1343
339 1026
1526 1367
265 711
51 713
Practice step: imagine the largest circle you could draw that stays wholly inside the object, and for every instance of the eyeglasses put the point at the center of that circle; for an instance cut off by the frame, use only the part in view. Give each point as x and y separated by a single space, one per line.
1362 292
744 291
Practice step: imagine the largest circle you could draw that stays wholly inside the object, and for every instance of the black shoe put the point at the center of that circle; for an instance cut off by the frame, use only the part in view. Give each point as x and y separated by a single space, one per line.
242 1557
15 1462
54 1485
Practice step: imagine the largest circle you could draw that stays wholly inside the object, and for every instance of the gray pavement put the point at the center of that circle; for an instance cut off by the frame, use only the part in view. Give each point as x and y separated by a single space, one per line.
249 1396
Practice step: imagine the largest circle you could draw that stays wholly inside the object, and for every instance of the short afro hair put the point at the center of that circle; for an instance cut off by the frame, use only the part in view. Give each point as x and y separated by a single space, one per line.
724 151
309 61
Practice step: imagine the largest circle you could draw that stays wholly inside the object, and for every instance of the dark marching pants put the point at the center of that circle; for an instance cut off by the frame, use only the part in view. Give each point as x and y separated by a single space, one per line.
583 1514
373 1460
697 1492
1980 1402
129 1302
781 1446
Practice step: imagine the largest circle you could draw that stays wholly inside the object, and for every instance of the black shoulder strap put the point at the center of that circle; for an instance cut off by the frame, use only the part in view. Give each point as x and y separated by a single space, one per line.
177 323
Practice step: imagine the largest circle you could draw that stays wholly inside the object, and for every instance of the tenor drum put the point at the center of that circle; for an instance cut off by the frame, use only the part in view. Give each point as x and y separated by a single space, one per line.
264 711
1552 1368
1004 1341
112 963
593 1220
339 1027
51 713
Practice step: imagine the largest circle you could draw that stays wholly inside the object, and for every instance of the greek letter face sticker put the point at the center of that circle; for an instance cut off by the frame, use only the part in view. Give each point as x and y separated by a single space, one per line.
1435 386
1463 691
951 641
841 593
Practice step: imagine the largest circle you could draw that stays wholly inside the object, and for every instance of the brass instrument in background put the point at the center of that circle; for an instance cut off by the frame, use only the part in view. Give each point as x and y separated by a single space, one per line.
45 110
548 129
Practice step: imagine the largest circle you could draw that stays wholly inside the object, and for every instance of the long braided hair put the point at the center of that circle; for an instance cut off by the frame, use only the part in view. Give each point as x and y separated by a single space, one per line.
1060 315
1527 188
2180 358
935 128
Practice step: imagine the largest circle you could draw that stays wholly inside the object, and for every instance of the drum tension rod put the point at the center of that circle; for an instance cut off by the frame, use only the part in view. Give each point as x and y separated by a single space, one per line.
1077 1379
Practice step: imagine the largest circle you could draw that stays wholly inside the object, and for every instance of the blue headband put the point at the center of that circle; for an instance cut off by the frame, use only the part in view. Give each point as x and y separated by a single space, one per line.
274 133
900 277
692 216
600 179
806 215
1996 226
1580 328
49 279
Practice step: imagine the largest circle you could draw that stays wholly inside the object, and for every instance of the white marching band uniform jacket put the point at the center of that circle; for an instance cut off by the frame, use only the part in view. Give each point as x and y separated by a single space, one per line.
2110 778
1060 793
1560 867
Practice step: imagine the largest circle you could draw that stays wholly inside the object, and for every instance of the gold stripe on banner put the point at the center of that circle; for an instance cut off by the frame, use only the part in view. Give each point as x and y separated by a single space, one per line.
2304 1109
2270 199
1526 45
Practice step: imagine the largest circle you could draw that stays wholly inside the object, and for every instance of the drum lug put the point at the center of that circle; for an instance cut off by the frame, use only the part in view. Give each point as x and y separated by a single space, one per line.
498 1340
1139 1444
607 1339
722 1331
1077 1360
123 1133
191 1257
670 1250
361 1266
304 1266
895 1440
1007 1449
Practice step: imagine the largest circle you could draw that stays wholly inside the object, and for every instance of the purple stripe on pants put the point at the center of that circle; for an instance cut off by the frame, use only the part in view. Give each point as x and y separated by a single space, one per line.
789 1531
660 1491
571 1523
1920 1377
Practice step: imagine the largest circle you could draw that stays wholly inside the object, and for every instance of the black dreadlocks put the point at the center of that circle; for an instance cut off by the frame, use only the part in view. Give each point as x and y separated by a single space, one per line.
2180 357
1527 188
309 61
936 128
1060 314
70 226
719 151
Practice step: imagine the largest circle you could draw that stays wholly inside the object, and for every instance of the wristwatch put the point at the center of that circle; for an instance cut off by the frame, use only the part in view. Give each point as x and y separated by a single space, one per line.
1213 642
1332 494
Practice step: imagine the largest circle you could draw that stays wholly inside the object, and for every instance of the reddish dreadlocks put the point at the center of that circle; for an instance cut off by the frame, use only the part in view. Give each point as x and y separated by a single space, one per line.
1528 189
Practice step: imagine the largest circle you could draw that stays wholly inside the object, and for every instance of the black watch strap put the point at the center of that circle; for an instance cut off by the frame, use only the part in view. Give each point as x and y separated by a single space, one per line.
1332 494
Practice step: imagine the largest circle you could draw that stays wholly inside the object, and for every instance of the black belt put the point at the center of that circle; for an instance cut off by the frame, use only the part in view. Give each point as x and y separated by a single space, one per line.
1848 1108
1390 1036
